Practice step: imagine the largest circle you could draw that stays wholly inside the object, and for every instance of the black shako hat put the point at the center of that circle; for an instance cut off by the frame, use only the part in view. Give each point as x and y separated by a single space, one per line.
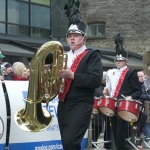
80 28
76 25
121 54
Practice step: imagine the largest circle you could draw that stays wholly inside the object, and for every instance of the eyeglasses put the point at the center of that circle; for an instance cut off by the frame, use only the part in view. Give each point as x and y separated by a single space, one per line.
119 60
141 76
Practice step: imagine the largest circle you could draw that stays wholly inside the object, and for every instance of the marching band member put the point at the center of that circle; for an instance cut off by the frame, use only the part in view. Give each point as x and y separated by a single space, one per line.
122 81
83 75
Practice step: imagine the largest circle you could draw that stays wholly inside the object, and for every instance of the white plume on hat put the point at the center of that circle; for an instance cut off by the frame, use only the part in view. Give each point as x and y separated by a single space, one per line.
104 75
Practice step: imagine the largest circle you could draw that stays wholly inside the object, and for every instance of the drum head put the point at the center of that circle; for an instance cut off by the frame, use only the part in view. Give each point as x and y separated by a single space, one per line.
128 116
95 111
107 111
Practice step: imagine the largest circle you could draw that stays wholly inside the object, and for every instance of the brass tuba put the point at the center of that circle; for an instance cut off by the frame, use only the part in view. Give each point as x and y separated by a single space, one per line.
43 86
146 63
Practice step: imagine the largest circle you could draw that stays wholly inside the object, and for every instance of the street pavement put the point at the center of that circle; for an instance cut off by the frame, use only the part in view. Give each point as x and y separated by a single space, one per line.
101 145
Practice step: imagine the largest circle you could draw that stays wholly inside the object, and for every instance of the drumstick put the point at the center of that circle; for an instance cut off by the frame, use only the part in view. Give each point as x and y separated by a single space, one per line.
123 96
126 98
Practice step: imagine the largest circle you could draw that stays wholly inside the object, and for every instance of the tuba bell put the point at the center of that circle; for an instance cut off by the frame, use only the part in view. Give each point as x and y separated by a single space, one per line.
44 84
146 63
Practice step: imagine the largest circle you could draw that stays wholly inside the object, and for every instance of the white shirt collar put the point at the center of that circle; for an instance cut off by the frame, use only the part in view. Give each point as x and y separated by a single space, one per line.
121 69
80 50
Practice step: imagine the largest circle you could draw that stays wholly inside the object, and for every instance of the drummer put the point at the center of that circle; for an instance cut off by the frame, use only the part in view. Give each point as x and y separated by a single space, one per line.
122 83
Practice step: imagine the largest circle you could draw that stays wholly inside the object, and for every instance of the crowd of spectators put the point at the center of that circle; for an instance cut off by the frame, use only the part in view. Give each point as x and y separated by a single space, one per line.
16 71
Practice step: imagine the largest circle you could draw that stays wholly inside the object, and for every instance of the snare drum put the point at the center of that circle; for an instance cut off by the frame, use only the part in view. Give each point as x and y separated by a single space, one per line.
96 105
96 102
129 110
108 105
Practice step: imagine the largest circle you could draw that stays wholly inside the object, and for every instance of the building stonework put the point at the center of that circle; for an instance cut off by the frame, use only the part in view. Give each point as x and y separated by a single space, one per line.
128 17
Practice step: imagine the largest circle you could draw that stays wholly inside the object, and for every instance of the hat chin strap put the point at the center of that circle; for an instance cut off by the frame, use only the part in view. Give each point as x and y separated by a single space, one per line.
78 43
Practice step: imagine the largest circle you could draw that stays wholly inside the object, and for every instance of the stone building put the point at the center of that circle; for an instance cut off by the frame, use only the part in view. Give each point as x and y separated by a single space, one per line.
24 27
128 17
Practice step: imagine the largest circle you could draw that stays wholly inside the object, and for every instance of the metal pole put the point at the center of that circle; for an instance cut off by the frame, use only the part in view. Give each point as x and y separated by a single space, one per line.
89 146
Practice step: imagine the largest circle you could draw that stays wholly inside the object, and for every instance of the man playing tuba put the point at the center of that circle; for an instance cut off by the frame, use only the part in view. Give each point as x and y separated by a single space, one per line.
83 75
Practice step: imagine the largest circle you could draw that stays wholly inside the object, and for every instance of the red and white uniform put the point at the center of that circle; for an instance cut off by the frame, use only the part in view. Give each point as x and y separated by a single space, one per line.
113 80
72 55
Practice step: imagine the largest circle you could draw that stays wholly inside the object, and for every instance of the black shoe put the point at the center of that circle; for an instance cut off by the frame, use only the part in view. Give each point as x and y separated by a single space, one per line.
107 147
128 146
93 146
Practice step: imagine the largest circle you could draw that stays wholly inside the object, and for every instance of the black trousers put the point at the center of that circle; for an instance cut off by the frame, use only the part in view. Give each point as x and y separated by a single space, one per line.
120 130
73 119
143 121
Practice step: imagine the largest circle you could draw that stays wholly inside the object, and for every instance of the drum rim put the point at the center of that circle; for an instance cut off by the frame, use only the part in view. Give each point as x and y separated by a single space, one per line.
131 100
108 97
96 97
